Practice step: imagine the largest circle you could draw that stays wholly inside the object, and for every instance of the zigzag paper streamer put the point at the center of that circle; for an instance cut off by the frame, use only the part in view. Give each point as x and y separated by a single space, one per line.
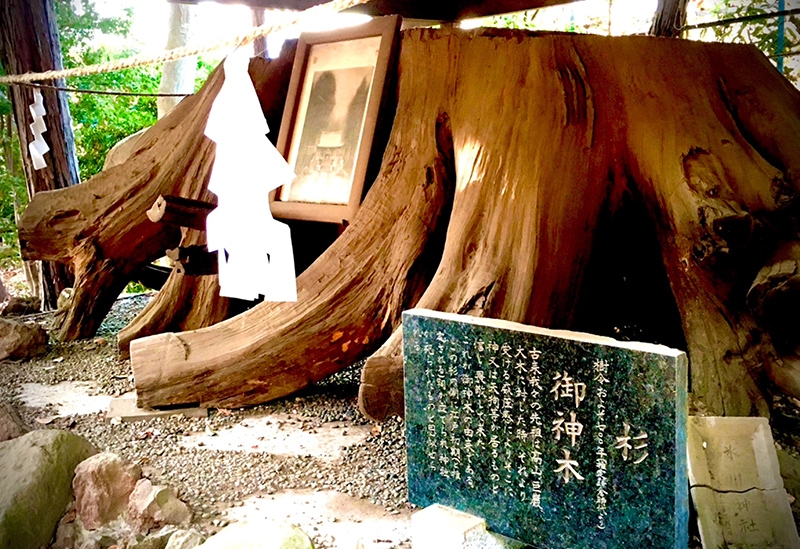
38 147
255 250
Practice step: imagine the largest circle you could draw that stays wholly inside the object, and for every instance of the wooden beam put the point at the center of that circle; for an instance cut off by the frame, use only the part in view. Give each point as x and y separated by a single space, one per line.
416 9
194 260
180 212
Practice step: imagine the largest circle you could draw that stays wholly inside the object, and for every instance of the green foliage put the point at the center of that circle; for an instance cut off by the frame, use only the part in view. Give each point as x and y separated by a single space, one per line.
100 121
762 33
79 23
135 287
520 20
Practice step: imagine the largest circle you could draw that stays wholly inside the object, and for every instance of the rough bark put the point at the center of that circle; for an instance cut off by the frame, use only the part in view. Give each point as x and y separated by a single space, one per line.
669 19
193 302
348 300
550 134
29 43
184 303
177 76
101 227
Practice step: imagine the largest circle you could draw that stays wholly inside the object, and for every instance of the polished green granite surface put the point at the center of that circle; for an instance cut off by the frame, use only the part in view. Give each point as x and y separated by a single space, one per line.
557 439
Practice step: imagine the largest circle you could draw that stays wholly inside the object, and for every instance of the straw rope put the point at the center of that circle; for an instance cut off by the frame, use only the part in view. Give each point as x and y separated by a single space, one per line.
287 19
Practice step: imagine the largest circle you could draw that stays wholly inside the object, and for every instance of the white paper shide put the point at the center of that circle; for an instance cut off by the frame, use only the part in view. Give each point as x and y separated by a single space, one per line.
255 250
38 147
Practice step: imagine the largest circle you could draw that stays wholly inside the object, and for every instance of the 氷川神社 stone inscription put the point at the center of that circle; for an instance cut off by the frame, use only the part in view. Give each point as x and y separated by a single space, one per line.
558 439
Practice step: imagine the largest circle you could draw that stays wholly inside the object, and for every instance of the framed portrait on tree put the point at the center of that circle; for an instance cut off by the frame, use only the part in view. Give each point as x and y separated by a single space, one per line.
333 106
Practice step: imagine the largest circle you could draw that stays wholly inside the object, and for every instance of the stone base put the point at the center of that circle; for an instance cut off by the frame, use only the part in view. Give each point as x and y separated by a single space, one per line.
440 527
125 408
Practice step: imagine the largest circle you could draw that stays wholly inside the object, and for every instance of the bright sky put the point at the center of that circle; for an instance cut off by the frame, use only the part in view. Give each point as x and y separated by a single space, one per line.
214 22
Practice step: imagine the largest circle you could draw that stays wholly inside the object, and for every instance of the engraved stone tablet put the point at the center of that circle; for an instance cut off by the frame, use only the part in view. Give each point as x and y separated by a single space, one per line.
558 439
736 484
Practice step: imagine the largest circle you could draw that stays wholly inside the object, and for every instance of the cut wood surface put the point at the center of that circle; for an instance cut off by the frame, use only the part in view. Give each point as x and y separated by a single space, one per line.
541 136
101 228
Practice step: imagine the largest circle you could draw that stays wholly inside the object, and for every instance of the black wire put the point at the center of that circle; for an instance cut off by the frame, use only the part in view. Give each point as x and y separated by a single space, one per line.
100 92
743 19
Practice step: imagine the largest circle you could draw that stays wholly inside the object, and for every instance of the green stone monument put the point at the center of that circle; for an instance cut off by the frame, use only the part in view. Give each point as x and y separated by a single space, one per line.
561 440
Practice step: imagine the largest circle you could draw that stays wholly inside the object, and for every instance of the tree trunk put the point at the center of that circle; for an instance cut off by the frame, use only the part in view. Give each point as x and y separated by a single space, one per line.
29 43
177 76
551 136
669 19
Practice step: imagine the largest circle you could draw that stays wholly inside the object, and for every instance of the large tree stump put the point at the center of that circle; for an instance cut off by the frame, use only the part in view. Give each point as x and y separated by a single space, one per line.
101 228
550 134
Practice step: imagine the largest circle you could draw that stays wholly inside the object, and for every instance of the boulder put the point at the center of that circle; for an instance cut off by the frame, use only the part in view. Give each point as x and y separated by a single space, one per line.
11 426
19 341
261 534
102 485
155 540
36 473
185 539
152 506
18 306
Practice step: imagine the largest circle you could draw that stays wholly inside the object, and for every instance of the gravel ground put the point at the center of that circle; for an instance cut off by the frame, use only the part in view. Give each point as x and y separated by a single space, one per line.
210 481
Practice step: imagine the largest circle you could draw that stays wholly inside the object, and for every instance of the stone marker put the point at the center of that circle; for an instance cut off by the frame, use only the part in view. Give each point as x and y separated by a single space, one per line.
558 439
736 484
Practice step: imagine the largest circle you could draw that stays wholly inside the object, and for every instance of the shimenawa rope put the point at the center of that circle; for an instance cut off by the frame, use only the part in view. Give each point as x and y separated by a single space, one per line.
289 19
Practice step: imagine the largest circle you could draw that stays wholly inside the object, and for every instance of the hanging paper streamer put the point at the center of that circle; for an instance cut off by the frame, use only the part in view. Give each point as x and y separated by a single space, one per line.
38 147
255 250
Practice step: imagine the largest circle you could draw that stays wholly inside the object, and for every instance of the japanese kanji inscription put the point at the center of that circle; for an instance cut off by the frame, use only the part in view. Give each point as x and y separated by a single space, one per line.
557 439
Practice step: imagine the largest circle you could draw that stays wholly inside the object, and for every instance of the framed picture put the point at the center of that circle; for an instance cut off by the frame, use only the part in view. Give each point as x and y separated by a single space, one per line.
329 122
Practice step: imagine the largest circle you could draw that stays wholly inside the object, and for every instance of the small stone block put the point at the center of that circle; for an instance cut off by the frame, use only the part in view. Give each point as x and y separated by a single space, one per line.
484 539
732 454
125 408
757 518
440 527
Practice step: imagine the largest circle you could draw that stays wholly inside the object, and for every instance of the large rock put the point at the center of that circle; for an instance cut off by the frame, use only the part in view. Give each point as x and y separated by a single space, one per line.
260 534
18 306
11 426
20 341
36 473
102 485
151 506
185 539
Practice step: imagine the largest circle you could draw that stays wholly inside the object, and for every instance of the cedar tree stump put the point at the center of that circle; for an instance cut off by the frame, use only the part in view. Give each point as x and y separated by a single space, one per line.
508 150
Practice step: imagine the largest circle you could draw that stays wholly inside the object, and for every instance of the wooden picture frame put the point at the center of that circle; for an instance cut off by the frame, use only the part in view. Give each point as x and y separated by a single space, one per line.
333 106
